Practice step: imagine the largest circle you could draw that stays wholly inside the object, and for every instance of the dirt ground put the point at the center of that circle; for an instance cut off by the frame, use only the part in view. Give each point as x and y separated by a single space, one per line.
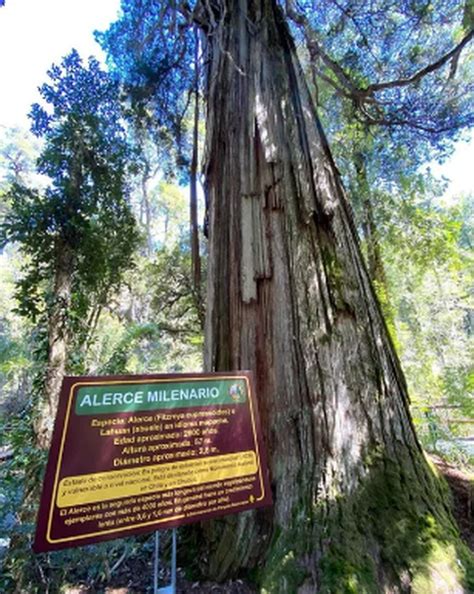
462 489
183 587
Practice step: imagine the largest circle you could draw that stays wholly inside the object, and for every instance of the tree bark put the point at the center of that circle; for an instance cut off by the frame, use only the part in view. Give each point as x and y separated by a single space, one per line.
146 209
362 193
289 297
58 339
193 198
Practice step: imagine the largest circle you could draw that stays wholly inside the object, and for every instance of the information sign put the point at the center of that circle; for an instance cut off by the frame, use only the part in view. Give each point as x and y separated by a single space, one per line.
132 454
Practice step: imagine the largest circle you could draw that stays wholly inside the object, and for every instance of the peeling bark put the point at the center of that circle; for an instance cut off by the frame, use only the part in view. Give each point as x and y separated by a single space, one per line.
289 297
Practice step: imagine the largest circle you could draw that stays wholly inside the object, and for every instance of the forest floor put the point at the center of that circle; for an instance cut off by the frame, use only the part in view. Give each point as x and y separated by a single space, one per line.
462 489
140 584
136 578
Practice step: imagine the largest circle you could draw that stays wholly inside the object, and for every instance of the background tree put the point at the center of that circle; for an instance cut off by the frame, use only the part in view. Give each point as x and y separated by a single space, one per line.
18 152
155 54
78 233
148 324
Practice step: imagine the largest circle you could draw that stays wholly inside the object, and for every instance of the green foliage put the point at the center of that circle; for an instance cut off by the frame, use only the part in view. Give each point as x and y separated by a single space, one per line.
154 327
429 280
84 207
16 340
18 152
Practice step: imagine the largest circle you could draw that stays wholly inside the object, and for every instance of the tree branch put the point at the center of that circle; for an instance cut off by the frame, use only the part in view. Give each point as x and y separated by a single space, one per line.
315 50
347 13
383 121
332 83
403 82
362 97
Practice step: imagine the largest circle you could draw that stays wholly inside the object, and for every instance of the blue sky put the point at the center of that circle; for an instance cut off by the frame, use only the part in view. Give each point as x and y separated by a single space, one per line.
36 33
458 169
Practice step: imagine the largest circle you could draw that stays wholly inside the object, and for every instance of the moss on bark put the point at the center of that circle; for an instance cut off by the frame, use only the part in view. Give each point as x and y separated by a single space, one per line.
384 537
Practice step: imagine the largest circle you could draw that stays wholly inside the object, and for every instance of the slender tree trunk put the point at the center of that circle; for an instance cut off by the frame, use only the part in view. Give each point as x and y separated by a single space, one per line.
363 194
289 297
193 201
146 209
371 235
58 339
374 251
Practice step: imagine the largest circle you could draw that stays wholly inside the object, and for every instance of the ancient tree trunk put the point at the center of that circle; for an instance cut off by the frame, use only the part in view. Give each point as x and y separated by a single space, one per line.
57 344
290 298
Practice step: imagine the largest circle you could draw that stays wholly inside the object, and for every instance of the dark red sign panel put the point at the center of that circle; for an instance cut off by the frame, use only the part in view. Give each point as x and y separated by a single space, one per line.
136 453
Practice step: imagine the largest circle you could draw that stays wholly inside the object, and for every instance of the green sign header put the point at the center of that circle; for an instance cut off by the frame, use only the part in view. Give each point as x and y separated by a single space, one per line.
123 397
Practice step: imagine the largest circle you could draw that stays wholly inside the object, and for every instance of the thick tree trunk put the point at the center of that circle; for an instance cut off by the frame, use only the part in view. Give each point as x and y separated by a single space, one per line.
58 339
290 298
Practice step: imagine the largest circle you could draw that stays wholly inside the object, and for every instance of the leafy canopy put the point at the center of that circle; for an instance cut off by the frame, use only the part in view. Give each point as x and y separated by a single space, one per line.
401 70
150 50
84 206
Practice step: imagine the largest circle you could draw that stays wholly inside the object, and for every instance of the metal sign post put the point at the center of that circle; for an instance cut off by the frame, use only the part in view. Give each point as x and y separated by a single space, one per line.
171 588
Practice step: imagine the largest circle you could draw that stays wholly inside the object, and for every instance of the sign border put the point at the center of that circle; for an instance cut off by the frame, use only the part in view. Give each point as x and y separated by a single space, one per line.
57 459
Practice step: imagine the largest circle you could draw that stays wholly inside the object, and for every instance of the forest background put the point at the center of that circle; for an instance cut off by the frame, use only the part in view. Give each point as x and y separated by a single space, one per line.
141 309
